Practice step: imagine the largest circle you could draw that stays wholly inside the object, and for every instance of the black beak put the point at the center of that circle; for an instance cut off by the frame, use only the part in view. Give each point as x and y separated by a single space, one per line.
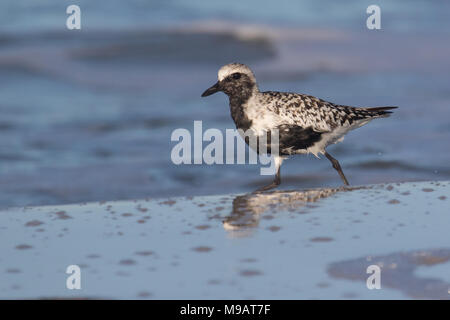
211 90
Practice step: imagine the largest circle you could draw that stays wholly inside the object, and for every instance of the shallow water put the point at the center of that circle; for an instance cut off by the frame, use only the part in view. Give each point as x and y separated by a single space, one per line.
301 244
87 115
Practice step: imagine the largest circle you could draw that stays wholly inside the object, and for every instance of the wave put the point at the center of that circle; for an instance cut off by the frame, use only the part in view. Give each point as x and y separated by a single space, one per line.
398 165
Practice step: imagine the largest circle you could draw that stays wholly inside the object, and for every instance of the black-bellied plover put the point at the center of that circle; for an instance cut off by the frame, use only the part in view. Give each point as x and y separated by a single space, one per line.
305 123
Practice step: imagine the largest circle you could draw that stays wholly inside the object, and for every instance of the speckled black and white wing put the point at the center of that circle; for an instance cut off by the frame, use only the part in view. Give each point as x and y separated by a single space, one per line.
322 116
308 125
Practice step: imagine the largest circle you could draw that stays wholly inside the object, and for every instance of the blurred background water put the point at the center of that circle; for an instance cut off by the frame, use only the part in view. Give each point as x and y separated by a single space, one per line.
87 114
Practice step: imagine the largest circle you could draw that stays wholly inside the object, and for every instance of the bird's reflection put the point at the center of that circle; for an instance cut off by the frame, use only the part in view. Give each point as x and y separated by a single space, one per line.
248 208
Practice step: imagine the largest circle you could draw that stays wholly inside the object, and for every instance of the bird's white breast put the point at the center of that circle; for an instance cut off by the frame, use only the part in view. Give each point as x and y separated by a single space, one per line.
263 118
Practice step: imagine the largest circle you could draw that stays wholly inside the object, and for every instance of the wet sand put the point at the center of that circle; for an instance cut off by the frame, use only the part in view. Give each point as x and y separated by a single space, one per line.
289 244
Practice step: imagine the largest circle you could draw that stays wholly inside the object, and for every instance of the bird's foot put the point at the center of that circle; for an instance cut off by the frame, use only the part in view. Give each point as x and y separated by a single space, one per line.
273 185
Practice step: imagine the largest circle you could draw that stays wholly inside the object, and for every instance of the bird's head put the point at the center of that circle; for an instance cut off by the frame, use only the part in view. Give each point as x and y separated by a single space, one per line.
234 79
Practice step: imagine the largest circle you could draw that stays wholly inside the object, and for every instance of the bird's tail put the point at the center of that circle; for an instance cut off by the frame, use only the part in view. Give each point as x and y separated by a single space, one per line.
380 111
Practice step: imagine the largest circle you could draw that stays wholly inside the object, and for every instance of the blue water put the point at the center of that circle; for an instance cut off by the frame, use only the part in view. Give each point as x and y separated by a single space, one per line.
414 15
87 115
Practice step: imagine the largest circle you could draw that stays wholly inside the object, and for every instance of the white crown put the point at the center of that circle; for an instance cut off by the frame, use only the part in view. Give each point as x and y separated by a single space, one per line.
231 68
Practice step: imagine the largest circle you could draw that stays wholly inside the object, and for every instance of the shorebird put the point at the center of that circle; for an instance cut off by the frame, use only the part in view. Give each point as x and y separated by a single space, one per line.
305 124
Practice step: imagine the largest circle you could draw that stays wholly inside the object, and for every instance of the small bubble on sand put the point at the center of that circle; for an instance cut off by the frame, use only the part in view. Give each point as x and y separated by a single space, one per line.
62 215
203 227
144 253
13 270
274 228
23 247
213 281
250 273
202 249
127 262
323 285
33 223
144 294
349 295
321 239
168 202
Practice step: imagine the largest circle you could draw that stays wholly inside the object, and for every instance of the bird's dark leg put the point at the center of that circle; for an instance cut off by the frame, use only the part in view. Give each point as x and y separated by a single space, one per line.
276 182
337 166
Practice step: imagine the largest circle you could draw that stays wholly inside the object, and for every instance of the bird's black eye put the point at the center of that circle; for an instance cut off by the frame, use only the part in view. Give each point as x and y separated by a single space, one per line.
236 76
